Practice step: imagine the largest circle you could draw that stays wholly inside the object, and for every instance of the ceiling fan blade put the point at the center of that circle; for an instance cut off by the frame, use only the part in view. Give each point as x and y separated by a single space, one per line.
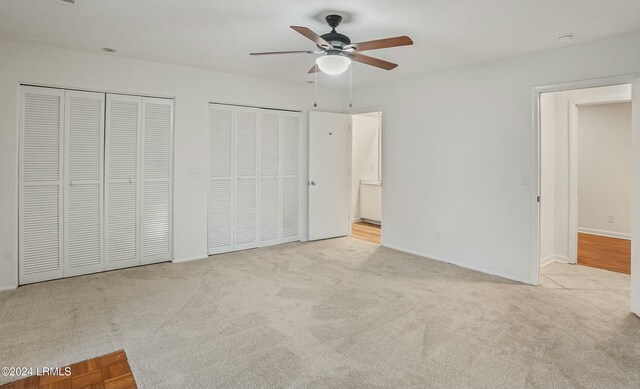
377 62
314 69
382 43
311 35
287 52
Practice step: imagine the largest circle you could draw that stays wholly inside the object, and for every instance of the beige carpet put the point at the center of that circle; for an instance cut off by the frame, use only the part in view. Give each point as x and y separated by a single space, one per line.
340 313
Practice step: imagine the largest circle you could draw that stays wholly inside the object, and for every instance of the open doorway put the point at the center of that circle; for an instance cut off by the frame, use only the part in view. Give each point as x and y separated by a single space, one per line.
366 178
585 191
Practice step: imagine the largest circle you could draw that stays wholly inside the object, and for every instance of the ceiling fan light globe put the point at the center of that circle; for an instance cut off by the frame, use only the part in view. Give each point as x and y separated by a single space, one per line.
333 64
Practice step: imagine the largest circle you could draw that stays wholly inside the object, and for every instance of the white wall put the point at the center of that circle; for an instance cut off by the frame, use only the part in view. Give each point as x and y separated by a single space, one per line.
547 176
604 168
365 129
193 89
459 158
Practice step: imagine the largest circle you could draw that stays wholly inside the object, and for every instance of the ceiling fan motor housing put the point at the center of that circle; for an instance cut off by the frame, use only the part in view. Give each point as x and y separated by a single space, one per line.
337 40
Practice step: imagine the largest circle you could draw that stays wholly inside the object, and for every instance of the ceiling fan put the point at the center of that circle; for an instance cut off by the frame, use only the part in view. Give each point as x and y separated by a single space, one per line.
338 51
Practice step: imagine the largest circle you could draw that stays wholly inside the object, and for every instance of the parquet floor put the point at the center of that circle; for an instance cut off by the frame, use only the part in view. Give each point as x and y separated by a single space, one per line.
109 371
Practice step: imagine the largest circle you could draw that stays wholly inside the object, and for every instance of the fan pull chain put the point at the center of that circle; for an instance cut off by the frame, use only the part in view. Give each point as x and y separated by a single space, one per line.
315 84
350 85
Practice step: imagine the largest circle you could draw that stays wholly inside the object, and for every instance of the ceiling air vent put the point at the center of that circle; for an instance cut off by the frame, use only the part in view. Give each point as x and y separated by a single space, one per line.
69 1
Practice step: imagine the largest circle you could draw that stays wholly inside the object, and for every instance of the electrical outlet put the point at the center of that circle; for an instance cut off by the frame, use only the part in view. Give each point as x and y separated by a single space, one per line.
438 236
611 219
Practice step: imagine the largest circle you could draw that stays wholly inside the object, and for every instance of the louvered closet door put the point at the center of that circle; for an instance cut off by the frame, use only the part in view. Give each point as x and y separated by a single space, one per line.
41 184
83 194
220 202
246 183
269 177
122 174
290 177
157 169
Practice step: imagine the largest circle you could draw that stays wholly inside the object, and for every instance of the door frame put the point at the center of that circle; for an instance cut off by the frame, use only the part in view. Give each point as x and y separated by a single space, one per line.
574 105
535 161
360 111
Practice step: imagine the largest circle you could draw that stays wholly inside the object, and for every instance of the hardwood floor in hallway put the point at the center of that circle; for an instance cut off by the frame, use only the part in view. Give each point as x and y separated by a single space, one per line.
604 252
366 231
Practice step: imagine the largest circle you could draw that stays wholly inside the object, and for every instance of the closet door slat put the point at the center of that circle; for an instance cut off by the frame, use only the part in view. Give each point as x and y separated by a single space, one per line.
246 174
157 168
83 209
122 180
41 184
269 177
290 177
221 176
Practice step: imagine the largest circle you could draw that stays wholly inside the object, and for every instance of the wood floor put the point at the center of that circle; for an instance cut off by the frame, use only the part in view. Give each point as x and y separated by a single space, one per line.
109 371
604 253
366 231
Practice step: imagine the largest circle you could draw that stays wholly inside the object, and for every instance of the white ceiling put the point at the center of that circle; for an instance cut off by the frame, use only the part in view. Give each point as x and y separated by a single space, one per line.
219 34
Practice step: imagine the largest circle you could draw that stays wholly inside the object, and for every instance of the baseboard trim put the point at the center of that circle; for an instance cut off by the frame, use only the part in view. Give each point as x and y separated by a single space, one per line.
553 258
453 262
6 288
610 234
546 260
180 260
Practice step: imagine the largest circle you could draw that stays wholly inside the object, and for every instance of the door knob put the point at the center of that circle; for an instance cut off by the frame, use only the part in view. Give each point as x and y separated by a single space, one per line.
313 183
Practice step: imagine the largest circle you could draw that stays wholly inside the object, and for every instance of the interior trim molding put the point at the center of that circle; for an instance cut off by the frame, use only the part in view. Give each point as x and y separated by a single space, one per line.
610 234
189 259
535 150
547 260
553 258
453 262
7 288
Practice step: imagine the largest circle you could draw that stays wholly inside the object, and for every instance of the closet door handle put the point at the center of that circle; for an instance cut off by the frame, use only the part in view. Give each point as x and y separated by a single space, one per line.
72 183
132 180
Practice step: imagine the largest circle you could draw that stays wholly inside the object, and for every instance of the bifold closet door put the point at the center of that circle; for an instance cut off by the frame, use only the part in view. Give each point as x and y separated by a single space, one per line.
122 180
221 179
83 192
270 215
254 181
41 184
157 171
290 177
246 179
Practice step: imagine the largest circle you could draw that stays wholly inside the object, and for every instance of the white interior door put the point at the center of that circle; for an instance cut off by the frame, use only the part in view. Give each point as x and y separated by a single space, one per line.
329 177
270 122
246 178
122 177
635 197
157 173
221 179
41 184
291 190
83 193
